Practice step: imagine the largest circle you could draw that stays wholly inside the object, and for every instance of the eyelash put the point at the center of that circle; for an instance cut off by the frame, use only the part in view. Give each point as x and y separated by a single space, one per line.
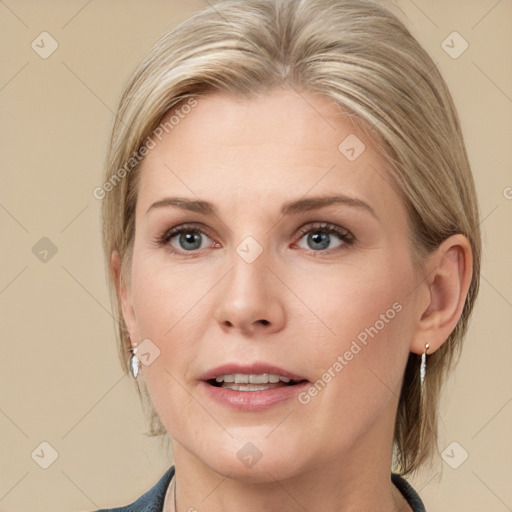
345 235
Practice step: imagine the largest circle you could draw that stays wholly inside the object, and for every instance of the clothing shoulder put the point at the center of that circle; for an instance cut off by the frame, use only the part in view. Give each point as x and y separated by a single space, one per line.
150 501
153 499
408 493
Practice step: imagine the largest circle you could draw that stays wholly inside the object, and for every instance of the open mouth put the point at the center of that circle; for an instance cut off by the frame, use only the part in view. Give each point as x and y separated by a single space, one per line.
252 382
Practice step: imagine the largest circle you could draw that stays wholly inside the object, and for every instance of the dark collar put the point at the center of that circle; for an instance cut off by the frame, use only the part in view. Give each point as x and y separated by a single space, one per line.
153 500
408 493
150 501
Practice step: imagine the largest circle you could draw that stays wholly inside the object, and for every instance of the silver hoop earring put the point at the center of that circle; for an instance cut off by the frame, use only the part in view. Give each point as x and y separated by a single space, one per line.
423 365
134 363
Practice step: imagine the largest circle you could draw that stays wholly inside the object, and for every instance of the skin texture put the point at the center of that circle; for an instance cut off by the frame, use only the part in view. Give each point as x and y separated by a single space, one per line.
248 157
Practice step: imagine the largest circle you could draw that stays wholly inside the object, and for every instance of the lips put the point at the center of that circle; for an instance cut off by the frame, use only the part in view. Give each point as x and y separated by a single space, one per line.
250 374
251 387
252 382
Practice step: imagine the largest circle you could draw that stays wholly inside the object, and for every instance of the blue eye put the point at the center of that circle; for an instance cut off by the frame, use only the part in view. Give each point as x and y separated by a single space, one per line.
189 238
319 236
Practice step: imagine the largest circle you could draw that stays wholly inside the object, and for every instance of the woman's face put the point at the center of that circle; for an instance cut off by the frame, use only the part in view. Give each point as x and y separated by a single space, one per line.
273 283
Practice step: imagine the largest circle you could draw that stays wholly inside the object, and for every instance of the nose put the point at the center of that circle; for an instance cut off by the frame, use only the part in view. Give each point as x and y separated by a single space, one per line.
250 299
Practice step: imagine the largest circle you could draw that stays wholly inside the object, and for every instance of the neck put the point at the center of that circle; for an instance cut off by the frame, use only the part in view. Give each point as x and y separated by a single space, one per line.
357 480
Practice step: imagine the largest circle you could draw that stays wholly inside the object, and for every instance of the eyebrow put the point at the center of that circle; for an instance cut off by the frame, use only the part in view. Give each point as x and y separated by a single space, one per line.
289 208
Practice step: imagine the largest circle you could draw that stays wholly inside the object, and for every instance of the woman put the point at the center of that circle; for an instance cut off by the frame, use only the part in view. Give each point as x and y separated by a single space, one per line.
292 232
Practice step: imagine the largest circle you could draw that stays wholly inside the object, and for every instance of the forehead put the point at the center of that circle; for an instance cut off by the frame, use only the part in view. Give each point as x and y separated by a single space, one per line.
264 150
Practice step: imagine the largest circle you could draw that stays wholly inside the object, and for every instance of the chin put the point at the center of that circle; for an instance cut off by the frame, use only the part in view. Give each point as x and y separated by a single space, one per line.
262 472
258 461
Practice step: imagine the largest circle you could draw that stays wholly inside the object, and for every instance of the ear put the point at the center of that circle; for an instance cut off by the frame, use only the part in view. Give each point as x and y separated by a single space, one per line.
449 270
124 294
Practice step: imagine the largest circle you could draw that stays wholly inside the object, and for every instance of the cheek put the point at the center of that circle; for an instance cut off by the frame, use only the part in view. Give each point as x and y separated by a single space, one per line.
364 314
165 320
165 297
348 300
173 308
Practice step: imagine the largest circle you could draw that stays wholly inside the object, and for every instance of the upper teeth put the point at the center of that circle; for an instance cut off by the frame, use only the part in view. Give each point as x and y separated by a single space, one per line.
242 378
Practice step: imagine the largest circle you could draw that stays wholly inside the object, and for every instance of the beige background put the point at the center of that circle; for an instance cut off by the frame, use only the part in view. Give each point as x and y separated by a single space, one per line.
60 378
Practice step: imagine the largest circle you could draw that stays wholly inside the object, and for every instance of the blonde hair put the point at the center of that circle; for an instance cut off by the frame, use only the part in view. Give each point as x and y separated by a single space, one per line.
362 57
